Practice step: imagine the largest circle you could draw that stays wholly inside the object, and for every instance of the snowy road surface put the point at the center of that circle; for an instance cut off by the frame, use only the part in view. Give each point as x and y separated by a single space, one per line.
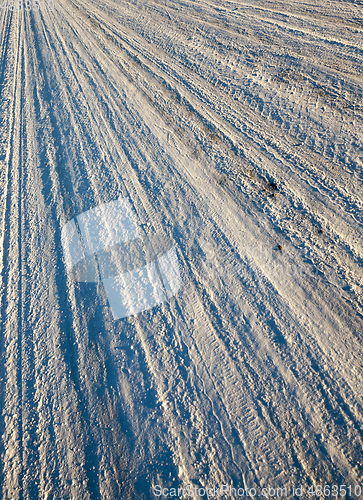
181 247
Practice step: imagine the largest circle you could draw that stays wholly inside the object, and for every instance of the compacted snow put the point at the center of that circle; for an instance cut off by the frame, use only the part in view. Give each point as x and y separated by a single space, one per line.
181 249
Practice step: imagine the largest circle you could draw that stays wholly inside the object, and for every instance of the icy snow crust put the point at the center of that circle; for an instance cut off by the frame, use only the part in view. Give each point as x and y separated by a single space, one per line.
235 131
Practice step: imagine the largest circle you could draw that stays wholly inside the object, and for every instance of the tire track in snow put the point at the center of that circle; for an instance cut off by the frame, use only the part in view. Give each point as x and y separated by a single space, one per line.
12 283
303 365
256 135
298 164
9 54
350 255
82 310
7 29
275 307
84 435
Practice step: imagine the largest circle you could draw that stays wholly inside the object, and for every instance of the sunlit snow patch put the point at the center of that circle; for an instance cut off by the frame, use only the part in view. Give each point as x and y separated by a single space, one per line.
138 272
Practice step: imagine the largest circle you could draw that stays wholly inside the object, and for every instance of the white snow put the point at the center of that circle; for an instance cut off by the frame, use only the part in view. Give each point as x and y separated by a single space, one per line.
181 247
